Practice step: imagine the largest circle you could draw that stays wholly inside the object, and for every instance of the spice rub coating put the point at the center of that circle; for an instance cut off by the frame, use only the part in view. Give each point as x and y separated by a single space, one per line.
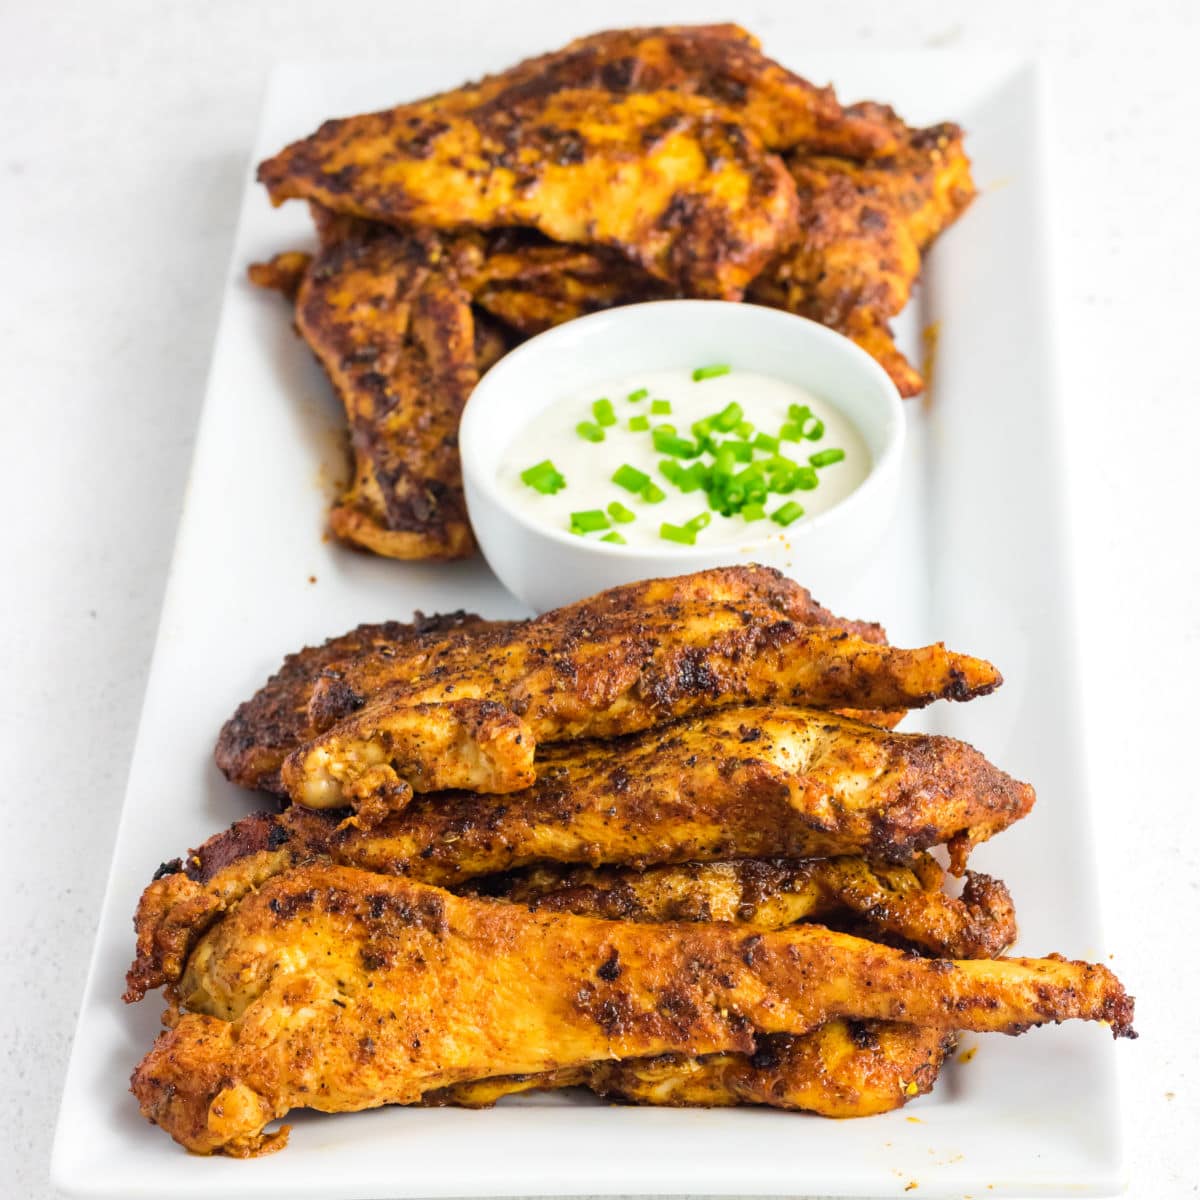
316 688
842 1069
742 783
881 900
275 720
337 989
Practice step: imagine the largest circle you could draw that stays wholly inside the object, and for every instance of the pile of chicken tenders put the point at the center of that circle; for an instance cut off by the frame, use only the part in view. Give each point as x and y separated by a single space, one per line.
664 844
631 165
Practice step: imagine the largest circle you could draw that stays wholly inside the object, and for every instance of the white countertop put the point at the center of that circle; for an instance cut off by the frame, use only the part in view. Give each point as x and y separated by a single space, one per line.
124 128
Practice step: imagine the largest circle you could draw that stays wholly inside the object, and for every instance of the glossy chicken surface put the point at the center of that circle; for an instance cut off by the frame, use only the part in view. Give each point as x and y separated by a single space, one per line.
842 1069
319 686
338 989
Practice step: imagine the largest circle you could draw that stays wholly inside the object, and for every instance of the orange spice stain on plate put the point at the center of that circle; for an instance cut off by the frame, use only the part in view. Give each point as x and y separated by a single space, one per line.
929 345
967 1055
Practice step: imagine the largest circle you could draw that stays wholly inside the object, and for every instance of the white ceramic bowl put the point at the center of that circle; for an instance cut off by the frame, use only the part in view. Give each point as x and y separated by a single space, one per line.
546 567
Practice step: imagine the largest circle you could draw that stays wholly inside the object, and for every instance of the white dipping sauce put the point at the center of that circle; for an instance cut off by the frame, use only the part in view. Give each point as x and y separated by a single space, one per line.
588 466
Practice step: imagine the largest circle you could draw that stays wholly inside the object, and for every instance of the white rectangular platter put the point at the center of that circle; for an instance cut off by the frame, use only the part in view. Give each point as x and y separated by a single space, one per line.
976 559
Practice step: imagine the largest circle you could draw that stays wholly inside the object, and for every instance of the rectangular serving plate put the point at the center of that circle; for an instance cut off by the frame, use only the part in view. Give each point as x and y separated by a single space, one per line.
976 558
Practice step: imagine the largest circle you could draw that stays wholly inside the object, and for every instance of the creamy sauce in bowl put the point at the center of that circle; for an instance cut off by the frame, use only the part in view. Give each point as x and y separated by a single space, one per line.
702 457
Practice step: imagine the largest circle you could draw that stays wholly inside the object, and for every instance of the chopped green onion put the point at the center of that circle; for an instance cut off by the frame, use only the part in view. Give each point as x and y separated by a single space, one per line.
589 521
801 414
661 407
602 410
790 512
728 418
589 431
764 441
753 512
682 534
744 429
789 431
825 458
639 424
630 478
741 451
544 477
805 478
670 443
710 372
653 494
620 513
702 429
672 471
700 521
640 394
614 537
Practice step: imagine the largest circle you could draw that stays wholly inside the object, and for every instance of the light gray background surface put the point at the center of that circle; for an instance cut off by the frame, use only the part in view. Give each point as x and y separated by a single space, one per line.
124 127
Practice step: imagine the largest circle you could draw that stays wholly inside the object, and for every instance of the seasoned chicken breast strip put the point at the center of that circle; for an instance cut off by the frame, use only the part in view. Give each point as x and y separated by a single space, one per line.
744 783
338 989
268 727
671 180
597 676
318 687
842 1069
881 900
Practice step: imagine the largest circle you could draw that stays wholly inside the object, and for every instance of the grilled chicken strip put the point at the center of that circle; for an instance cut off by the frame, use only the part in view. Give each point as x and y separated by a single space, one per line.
744 783
338 989
670 180
394 331
842 1069
881 900
600 675
317 687
863 231
266 728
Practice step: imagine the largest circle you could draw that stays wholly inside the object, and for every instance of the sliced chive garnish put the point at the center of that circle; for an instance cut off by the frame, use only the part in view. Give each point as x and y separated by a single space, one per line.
764 441
672 471
711 372
602 410
653 494
620 513
544 477
661 407
789 431
668 442
744 429
691 480
590 431
700 521
788 513
640 394
825 458
590 520
741 451
805 478
753 512
802 415
613 537
728 418
630 478
639 424
683 534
